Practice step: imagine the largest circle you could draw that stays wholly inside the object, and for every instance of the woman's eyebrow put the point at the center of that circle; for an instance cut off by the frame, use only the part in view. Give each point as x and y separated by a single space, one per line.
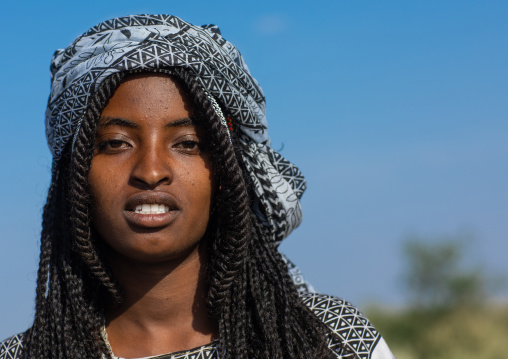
181 122
106 121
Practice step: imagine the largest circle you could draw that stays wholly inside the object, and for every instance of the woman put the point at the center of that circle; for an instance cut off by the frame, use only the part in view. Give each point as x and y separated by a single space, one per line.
166 207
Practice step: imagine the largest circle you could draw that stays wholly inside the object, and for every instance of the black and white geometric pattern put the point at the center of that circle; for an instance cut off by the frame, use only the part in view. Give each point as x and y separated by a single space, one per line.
354 330
278 194
301 284
11 347
160 43
357 334
209 351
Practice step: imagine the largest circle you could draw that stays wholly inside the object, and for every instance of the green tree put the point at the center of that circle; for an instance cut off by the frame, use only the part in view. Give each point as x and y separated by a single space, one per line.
436 277
447 316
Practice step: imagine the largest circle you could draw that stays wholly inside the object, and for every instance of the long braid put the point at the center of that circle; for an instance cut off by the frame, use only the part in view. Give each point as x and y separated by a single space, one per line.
72 282
252 164
45 258
80 165
228 248
251 294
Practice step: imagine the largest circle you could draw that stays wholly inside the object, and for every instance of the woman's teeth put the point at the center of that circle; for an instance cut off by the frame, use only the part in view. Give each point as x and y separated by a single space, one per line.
151 208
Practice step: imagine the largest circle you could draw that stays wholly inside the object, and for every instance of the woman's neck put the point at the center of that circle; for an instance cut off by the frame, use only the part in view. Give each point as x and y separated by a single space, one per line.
163 308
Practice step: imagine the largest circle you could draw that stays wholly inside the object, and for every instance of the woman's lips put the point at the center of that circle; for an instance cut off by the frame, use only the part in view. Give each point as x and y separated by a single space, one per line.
151 209
150 220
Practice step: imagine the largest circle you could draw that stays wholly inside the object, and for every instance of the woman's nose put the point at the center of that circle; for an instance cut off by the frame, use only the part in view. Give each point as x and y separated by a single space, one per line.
152 167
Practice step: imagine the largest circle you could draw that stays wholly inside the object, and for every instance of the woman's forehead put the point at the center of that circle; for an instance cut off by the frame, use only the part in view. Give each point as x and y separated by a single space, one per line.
149 95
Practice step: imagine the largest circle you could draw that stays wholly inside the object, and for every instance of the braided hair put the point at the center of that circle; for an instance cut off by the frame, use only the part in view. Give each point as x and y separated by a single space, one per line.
251 295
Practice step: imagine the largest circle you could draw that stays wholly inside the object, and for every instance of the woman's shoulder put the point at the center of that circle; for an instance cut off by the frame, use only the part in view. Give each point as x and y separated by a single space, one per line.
351 326
11 347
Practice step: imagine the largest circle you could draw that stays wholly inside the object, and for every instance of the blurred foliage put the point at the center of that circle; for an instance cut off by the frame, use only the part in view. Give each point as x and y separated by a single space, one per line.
449 314
436 277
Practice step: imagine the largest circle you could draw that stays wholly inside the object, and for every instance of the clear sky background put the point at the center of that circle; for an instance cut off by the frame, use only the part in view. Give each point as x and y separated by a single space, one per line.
396 112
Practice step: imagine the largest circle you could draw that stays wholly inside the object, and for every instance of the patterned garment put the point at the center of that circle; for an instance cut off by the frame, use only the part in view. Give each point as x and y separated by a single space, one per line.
356 332
160 43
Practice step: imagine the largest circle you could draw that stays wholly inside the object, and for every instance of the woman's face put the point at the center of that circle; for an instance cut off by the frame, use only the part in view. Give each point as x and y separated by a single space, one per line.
150 179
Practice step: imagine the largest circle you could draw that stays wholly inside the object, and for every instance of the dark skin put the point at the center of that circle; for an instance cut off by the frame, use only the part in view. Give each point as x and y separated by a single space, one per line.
152 190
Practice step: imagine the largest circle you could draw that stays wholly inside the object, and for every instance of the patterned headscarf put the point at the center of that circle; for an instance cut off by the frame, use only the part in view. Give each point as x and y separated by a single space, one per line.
160 43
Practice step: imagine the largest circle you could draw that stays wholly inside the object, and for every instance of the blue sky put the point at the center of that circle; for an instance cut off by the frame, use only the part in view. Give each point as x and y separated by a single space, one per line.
395 111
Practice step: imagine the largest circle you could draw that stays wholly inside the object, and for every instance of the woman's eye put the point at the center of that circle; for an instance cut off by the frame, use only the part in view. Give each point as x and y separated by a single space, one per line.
188 146
111 145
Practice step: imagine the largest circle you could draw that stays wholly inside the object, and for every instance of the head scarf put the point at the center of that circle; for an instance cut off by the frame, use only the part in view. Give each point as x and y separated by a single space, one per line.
160 43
